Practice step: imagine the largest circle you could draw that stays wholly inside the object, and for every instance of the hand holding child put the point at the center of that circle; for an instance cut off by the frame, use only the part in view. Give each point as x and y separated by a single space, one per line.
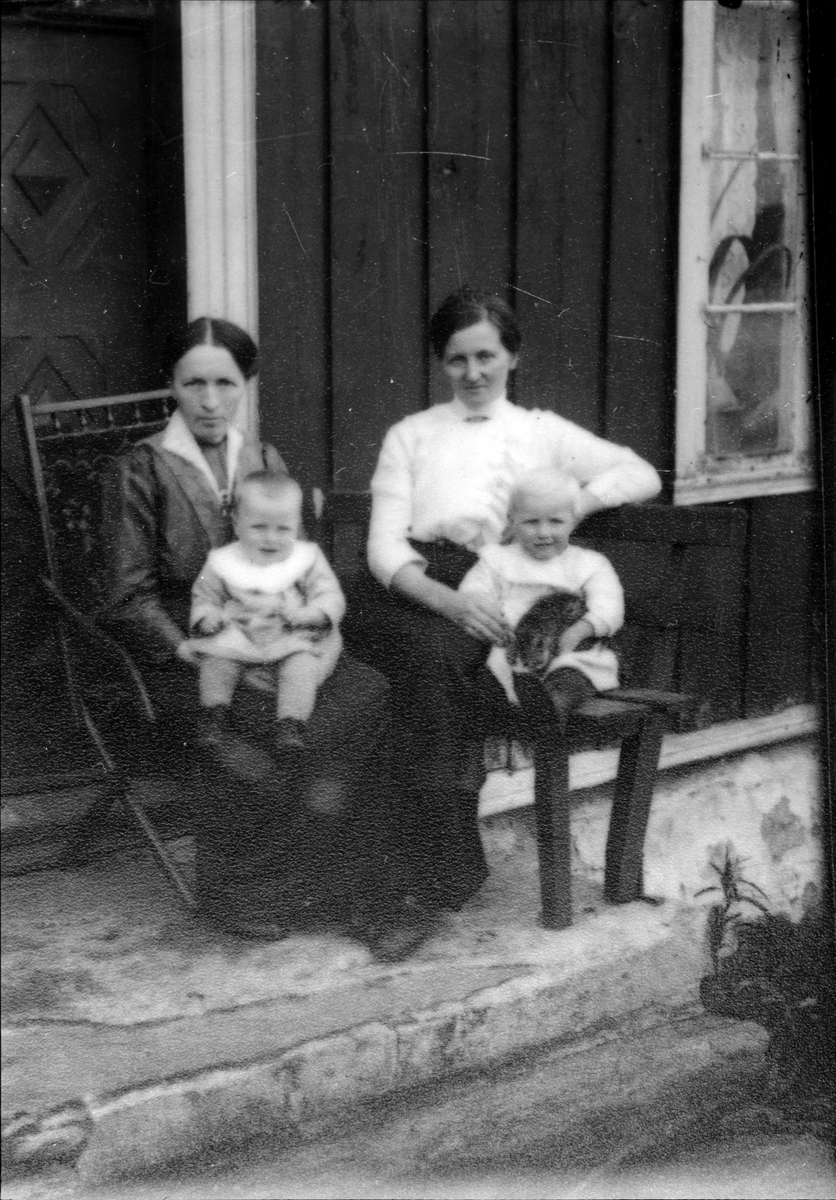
208 625
479 615
187 652
205 626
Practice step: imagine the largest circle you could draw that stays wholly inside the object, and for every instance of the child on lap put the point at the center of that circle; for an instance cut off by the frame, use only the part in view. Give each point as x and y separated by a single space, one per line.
266 598
540 562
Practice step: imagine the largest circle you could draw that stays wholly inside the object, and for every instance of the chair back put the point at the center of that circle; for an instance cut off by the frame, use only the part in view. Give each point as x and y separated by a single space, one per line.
68 447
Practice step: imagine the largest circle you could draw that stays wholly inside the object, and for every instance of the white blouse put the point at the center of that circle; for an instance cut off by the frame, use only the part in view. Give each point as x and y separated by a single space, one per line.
441 475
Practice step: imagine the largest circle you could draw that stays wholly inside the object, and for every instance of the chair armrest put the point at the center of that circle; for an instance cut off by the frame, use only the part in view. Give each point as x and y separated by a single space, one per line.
655 698
106 649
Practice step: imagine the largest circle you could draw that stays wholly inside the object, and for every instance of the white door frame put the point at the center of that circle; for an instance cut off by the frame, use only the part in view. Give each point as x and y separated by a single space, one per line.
218 40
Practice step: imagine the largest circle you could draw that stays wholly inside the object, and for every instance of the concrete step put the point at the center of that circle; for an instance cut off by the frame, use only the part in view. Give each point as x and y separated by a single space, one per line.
136 1038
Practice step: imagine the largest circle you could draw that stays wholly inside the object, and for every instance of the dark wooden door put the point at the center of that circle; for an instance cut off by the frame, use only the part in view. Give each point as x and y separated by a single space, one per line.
74 196
78 307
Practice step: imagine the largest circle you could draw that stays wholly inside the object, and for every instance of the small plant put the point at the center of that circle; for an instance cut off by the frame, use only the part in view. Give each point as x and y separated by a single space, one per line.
779 973
723 918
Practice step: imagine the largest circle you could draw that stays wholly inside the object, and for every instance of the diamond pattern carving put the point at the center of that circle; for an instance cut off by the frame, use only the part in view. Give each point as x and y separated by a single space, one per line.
53 368
50 181
41 190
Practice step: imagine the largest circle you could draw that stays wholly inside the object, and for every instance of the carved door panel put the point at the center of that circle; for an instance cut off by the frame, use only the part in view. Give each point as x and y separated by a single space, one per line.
73 211
74 282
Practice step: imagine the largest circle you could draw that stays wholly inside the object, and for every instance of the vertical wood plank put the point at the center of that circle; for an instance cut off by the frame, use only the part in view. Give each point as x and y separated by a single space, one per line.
640 345
166 199
293 267
783 654
377 227
470 152
554 840
711 653
562 179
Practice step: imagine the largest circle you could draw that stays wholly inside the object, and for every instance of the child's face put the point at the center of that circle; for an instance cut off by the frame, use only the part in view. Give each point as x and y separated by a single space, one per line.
266 527
542 526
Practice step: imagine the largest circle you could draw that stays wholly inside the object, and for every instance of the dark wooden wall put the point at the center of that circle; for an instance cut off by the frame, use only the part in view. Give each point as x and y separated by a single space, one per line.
530 147
407 146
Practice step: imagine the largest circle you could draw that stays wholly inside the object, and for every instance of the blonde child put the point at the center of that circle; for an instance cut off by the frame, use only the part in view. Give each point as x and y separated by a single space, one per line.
267 597
537 560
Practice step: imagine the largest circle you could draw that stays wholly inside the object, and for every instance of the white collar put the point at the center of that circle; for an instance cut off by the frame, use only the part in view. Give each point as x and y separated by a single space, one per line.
491 411
178 439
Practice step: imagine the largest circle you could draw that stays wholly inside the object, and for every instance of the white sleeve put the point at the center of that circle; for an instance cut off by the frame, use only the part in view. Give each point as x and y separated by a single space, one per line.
604 596
614 474
320 587
391 520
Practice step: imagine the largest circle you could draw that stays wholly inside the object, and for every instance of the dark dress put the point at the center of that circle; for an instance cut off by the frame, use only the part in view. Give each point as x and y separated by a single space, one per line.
445 703
318 836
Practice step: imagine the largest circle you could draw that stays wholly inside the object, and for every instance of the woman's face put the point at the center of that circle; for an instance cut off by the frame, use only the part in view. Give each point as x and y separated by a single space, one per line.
208 384
477 364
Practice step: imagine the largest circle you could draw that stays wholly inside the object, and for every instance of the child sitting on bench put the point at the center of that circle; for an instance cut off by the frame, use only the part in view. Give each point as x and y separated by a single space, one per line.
560 600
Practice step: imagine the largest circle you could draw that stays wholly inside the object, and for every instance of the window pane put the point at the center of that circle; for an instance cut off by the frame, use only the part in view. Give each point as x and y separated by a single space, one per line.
755 359
746 413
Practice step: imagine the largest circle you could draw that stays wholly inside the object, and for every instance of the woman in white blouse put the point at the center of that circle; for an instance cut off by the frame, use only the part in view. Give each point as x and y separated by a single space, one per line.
439 493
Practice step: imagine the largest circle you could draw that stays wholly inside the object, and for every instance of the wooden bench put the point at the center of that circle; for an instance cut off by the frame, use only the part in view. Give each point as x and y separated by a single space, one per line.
69 445
648 545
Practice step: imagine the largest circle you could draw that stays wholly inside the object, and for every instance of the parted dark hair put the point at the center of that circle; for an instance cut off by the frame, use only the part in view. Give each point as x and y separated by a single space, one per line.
211 331
466 307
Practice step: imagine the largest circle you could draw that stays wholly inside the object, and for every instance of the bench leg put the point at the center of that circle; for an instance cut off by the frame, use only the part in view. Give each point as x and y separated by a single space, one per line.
637 766
551 803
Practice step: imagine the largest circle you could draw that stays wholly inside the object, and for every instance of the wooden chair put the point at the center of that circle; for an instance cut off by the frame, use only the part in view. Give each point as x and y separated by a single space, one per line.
635 716
68 446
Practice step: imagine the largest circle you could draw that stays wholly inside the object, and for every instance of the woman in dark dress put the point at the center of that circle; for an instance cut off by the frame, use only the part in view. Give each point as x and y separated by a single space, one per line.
275 844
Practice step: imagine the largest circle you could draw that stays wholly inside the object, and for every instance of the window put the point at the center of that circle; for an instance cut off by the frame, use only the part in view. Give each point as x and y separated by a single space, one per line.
743 391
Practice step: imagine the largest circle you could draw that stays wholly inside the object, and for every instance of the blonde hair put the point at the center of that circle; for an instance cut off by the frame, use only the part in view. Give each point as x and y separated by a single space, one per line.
546 483
273 484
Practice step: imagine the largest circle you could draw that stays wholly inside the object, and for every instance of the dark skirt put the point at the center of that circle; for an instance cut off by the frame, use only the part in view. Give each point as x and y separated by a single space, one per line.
444 704
320 835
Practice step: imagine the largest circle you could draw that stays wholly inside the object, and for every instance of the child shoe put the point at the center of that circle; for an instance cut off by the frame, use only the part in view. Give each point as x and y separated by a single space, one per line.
290 736
241 759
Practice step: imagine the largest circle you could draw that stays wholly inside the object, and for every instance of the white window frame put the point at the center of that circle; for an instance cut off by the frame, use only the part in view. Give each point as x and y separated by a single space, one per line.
699 477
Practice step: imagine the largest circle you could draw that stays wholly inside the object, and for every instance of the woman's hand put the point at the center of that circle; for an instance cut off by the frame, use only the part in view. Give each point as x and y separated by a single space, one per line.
187 652
208 625
478 616
589 504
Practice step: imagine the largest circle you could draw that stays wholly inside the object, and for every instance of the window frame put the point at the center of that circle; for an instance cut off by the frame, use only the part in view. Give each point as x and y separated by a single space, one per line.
700 477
